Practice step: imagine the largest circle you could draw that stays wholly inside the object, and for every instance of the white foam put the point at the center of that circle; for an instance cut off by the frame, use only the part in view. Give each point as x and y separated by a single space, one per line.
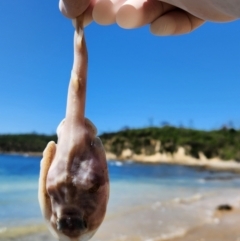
167 236
118 164
201 181
194 198
156 205
3 229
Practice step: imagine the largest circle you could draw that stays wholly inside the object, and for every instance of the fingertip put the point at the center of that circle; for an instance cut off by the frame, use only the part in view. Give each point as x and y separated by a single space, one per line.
137 13
88 16
73 8
127 17
87 21
103 12
63 9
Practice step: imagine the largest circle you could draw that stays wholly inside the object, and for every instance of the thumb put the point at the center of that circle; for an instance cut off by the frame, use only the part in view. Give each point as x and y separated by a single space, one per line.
73 8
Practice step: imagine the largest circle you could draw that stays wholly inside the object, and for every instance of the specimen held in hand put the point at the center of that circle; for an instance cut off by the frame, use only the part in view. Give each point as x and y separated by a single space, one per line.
74 183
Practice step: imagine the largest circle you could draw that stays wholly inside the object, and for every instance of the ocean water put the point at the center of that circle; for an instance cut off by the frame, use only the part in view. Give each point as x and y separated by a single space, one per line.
145 199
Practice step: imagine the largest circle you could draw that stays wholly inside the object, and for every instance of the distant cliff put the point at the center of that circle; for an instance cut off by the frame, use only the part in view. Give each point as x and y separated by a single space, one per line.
223 144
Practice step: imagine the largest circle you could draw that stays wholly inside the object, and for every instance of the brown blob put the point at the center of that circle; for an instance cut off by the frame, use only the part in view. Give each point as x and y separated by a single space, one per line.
224 207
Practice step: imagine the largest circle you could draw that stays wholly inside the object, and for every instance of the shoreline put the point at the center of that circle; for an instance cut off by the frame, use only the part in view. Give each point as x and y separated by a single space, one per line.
178 158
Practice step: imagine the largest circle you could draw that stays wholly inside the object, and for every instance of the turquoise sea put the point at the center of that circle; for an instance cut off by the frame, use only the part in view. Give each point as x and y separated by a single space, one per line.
135 189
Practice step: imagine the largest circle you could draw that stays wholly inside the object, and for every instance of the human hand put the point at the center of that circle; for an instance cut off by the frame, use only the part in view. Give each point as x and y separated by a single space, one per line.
165 19
170 17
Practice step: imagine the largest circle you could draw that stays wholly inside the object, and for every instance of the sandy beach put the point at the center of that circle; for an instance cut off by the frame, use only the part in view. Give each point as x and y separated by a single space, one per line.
193 219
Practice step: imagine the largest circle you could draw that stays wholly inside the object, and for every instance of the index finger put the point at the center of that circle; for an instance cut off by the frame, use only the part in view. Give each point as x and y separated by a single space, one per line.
73 8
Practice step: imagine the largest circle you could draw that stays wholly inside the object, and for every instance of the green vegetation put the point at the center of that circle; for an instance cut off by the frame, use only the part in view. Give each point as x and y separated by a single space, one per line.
223 143
25 142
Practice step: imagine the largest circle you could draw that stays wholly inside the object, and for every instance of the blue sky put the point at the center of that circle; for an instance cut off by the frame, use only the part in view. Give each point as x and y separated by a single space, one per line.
134 78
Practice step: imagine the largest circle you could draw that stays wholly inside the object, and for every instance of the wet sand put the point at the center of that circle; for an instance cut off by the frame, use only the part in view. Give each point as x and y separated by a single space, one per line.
26 233
195 218
225 229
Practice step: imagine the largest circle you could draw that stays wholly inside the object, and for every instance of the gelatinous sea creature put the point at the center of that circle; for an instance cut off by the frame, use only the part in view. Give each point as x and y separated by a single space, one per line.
73 183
